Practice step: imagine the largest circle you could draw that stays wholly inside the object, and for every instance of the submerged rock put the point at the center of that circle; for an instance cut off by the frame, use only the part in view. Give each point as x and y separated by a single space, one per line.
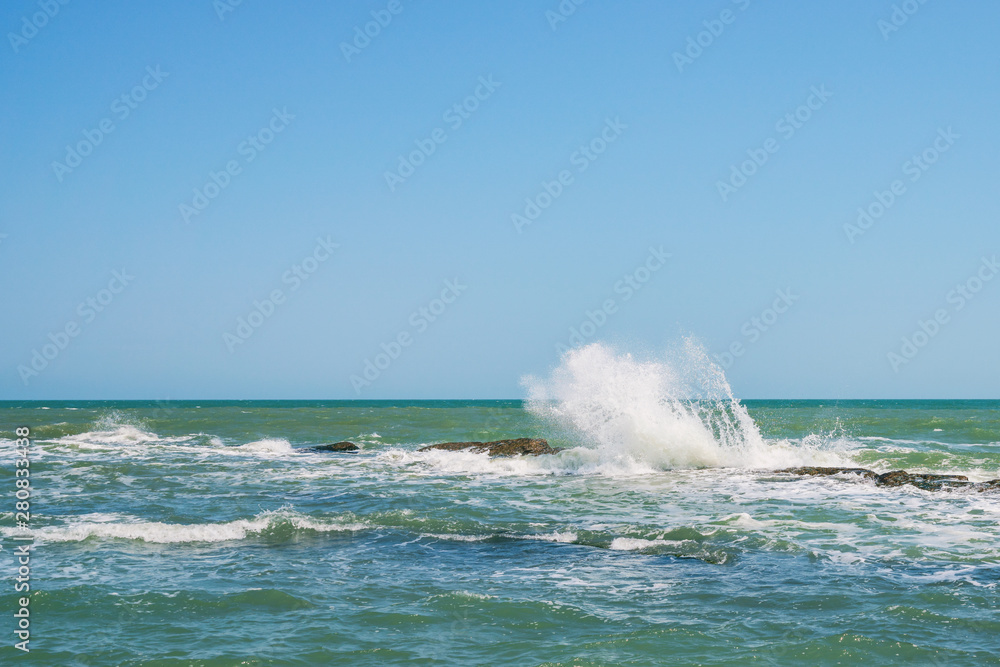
336 447
926 482
811 470
515 447
923 481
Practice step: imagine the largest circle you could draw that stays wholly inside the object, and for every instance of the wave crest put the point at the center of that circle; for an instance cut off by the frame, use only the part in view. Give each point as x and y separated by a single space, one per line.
674 412
112 527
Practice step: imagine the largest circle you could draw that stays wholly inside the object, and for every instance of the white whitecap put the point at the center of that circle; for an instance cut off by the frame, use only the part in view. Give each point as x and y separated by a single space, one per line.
268 446
129 528
634 544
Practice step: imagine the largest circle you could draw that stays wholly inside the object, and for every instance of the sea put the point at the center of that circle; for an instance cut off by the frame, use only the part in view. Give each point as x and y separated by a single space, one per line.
208 533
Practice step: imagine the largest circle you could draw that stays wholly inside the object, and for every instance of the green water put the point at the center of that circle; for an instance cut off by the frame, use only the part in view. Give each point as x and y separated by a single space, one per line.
202 533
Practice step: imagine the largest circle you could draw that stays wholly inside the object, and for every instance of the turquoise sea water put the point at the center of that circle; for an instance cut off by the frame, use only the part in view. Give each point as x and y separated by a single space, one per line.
202 533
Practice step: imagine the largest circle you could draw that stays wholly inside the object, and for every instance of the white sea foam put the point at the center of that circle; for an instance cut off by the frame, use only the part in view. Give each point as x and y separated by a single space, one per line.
268 446
117 430
563 537
473 596
964 574
120 433
457 537
636 544
130 528
124 434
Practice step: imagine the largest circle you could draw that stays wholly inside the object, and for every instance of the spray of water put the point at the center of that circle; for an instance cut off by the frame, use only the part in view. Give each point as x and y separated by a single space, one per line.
669 412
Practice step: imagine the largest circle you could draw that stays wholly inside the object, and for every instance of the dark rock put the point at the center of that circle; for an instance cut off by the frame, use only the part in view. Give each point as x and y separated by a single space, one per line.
926 482
336 447
894 478
992 485
515 447
521 446
901 477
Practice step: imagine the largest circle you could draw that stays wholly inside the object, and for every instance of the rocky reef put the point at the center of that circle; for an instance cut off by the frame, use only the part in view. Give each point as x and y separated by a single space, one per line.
515 447
336 447
923 481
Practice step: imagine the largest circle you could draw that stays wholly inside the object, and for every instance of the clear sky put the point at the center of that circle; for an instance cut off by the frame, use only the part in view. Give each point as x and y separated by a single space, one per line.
214 154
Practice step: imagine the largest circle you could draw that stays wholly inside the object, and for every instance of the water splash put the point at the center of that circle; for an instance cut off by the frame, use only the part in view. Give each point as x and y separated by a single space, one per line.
113 429
676 411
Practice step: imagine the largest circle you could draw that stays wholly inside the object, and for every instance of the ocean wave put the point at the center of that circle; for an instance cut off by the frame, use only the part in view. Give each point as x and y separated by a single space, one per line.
635 544
458 537
189 602
122 435
268 446
929 532
119 434
283 524
129 528
676 411
562 537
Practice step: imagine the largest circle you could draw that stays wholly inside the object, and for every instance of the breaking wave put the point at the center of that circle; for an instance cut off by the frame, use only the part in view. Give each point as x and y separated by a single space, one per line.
677 411
268 446
121 433
115 527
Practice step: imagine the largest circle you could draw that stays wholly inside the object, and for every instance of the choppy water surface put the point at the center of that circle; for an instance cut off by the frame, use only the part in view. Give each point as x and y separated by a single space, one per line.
203 533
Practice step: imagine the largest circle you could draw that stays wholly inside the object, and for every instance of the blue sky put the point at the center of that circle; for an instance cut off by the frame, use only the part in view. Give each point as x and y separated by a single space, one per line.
640 136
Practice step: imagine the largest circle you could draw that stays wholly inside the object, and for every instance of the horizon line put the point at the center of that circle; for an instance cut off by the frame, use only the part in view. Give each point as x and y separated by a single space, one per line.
429 400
